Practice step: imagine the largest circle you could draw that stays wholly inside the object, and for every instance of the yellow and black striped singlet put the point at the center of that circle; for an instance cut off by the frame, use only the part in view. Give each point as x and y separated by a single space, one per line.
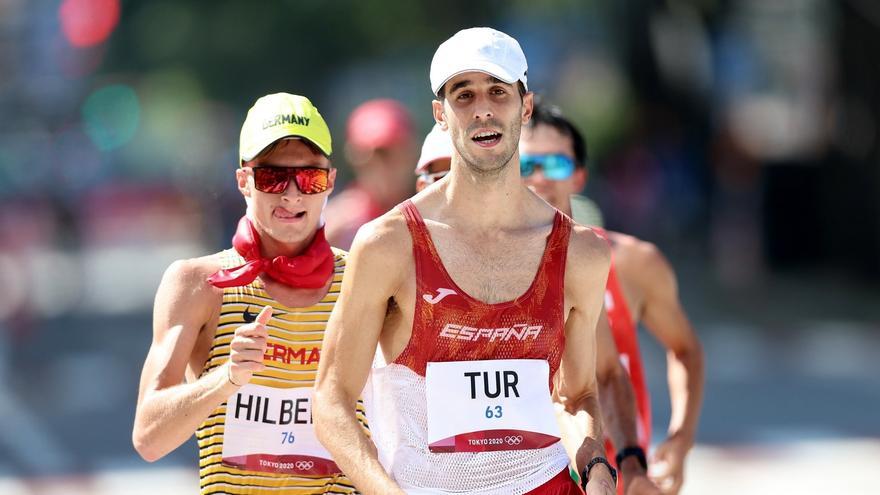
294 328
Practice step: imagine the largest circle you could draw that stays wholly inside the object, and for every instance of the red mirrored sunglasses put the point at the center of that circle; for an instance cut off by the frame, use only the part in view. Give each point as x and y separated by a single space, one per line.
273 179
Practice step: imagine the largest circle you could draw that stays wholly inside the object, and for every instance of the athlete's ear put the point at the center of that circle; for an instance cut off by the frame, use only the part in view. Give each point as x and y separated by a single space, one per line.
331 180
439 115
528 105
579 178
241 177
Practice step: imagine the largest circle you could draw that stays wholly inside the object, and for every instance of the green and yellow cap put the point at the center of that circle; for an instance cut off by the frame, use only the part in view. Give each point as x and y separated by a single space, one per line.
278 116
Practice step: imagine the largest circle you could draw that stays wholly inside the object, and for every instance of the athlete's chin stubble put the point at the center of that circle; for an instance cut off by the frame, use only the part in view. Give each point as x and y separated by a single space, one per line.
492 168
495 169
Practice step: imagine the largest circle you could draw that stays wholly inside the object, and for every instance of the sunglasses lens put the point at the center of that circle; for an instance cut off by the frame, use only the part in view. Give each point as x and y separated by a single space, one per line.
558 167
526 166
554 167
312 180
272 180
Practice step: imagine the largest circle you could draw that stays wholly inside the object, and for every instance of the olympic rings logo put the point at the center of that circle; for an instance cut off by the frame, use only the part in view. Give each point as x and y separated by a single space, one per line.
513 440
304 465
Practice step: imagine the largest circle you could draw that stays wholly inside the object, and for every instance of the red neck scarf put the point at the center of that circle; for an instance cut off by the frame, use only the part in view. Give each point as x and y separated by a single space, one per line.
309 270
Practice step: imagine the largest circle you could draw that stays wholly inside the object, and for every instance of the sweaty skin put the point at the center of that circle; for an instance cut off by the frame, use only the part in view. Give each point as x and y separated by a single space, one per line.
173 398
650 290
482 202
617 398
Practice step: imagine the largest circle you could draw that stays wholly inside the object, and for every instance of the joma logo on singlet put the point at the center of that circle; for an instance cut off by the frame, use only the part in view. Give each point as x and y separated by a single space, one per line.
519 332
441 294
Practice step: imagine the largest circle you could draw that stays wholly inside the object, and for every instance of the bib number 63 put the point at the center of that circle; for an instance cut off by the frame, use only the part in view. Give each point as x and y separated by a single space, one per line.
494 412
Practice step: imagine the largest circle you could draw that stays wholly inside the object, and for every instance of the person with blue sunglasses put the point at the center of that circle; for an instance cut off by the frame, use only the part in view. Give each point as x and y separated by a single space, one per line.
641 288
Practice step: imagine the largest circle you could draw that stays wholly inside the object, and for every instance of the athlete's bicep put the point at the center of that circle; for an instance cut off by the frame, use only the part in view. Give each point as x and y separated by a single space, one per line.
607 356
578 367
182 307
586 273
663 314
372 275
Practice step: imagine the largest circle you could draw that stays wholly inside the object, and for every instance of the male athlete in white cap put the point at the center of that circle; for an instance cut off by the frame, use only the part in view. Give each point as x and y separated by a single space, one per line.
483 301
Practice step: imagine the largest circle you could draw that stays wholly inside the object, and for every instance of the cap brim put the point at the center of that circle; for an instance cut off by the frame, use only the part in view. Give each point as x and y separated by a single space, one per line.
272 138
493 70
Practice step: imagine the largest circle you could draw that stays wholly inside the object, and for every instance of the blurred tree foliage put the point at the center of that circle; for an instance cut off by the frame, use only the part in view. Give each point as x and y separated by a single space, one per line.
238 49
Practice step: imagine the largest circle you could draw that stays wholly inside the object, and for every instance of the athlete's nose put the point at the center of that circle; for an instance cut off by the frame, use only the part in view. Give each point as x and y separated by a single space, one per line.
292 194
483 110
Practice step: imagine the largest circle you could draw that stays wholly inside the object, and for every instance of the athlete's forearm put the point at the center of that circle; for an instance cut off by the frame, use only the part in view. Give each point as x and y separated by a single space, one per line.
166 418
338 430
592 444
618 403
685 377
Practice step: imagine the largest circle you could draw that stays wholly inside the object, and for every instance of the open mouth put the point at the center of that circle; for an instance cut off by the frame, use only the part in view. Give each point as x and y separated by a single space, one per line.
487 138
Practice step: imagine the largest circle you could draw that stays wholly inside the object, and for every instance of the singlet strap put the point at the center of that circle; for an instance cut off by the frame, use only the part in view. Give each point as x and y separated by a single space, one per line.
557 246
423 251
414 221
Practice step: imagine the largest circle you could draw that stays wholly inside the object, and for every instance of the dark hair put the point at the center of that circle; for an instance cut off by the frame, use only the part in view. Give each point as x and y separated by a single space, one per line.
441 93
551 115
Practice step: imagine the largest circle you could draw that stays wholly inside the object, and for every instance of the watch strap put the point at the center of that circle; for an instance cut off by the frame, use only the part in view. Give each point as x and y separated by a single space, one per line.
585 474
636 451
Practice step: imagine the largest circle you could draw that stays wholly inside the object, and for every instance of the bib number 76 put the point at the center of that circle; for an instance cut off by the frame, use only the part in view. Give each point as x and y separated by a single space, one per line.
494 412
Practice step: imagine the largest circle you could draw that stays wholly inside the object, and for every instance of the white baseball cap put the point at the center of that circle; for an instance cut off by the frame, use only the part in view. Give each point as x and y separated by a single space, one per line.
479 49
437 145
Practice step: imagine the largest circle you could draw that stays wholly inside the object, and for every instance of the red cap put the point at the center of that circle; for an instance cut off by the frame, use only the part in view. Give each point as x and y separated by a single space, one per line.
379 124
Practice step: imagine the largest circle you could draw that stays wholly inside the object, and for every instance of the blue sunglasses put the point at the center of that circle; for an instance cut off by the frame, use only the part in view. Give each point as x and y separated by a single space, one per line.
554 167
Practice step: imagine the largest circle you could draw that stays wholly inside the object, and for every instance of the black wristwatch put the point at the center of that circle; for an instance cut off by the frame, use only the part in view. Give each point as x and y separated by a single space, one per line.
585 474
628 451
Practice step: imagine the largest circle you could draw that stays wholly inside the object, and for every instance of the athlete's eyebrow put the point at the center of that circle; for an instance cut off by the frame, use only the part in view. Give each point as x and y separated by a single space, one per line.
467 82
460 84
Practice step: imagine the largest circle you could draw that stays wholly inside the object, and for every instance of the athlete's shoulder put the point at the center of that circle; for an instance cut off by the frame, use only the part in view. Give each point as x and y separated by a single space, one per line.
383 243
185 282
377 263
195 270
642 263
631 245
588 245
386 231
589 258
637 254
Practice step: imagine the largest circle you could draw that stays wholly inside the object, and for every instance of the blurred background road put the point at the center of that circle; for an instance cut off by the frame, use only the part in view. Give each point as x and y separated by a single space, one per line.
739 136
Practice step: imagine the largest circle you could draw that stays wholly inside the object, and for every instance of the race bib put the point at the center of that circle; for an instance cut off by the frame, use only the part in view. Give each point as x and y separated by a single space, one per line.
270 430
478 406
